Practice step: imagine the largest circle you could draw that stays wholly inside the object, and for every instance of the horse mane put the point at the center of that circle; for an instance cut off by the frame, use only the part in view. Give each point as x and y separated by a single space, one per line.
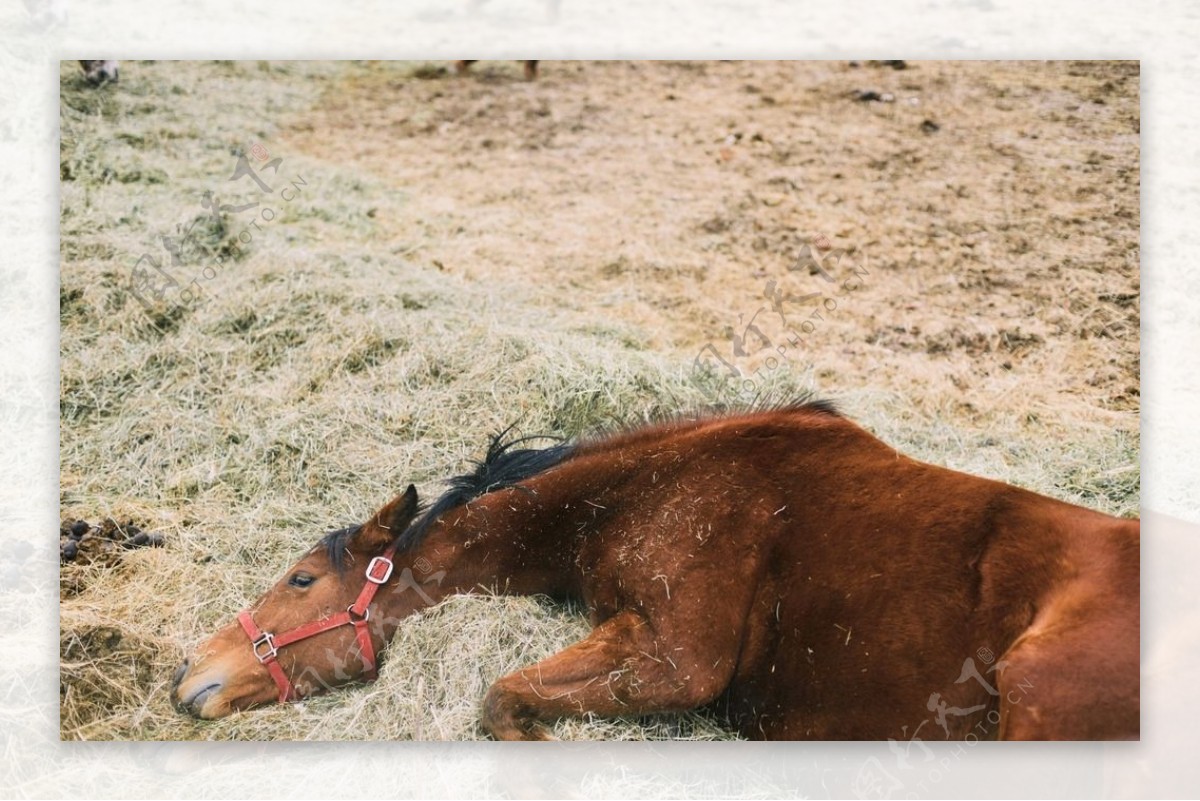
761 403
503 467
335 545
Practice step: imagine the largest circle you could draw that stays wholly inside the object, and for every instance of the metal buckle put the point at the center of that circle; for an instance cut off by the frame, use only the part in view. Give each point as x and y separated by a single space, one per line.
354 618
267 639
373 566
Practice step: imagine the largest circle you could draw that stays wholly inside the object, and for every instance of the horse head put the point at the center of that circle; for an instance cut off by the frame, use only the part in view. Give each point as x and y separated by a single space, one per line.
317 628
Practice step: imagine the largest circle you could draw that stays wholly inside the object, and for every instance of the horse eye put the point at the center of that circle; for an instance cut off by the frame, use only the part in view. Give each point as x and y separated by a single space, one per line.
301 580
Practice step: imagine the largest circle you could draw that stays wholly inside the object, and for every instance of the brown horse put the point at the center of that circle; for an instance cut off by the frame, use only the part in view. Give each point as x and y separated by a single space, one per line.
782 566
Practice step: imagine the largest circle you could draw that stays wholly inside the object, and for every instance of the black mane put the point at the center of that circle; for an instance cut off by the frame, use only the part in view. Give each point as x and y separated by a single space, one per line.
501 468
335 545
807 401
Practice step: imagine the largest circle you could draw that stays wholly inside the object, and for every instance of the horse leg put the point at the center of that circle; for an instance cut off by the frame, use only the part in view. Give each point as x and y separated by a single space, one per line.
530 70
461 67
1073 682
615 670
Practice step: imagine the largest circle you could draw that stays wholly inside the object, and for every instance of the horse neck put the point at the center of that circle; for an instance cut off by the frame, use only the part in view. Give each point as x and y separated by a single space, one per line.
518 541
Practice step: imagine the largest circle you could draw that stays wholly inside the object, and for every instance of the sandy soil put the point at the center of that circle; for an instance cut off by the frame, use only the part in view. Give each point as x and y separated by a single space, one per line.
994 207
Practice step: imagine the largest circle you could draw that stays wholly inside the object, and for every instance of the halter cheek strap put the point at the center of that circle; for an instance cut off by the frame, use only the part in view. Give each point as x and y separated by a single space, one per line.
267 645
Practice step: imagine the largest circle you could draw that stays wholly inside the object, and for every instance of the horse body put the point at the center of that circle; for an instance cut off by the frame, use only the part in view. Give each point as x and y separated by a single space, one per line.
795 573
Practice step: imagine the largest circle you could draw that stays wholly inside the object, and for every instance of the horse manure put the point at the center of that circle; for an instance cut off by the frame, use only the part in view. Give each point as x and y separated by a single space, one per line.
112 530
82 545
138 540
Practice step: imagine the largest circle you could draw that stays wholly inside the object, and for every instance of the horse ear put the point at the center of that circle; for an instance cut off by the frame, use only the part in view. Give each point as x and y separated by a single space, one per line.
399 512
390 521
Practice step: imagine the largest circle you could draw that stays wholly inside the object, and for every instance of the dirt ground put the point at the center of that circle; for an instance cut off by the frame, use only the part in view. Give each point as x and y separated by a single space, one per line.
994 206
950 250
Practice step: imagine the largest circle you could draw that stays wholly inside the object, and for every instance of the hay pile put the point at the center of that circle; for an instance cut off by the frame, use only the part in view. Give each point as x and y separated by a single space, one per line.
338 357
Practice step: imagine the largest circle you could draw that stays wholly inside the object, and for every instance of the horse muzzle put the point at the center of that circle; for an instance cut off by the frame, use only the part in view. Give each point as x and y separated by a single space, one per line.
198 695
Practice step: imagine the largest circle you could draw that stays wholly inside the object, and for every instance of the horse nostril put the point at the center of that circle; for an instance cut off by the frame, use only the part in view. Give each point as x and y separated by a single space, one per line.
194 702
180 672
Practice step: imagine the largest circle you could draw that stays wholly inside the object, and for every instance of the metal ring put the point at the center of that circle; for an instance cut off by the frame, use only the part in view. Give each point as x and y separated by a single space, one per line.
268 639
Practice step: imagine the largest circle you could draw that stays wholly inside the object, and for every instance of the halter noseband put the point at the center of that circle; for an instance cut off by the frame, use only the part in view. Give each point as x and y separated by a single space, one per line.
266 645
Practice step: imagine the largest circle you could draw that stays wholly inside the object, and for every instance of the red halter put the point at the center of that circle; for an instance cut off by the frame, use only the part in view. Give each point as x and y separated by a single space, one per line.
266 645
